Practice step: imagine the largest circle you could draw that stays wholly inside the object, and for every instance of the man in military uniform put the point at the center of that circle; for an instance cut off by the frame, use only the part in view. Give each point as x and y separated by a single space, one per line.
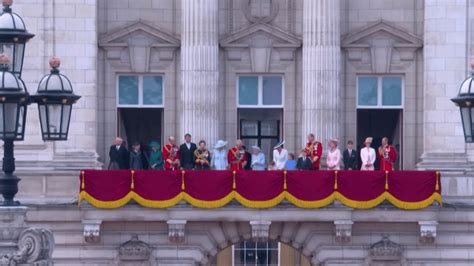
237 157
171 154
314 149
387 155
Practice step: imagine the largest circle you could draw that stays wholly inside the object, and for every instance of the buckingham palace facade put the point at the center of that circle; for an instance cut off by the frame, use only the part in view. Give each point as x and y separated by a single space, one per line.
261 71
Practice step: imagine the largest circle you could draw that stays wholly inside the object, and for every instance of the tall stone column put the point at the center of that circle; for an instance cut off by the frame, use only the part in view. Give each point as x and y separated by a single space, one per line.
445 67
199 62
321 69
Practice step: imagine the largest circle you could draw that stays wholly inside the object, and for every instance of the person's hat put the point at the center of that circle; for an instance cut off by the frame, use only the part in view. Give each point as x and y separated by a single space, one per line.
368 140
154 144
220 144
279 144
334 140
256 147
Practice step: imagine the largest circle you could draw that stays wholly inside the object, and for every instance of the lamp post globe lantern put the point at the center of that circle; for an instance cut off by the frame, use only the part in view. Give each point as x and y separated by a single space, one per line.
13 37
465 101
14 100
55 98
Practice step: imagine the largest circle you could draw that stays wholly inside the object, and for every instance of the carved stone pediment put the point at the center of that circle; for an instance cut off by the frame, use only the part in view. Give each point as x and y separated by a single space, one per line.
140 46
385 249
139 33
261 35
364 36
380 46
134 250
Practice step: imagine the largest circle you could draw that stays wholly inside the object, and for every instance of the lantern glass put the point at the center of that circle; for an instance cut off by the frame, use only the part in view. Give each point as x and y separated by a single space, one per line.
466 116
15 51
54 119
12 120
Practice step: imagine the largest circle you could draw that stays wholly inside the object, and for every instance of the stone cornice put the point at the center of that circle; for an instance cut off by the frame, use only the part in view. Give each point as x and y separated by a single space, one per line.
286 40
408 40
114 38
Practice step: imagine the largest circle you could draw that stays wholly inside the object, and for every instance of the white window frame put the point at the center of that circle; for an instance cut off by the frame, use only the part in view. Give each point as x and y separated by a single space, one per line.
278 256
140 91
260 91
380 91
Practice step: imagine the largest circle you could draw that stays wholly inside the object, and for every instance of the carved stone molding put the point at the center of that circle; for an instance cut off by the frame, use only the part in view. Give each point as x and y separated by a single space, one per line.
260 230
35 247
372 47
176 231
428 231
134 250
343 231
91 230
386 250
262 17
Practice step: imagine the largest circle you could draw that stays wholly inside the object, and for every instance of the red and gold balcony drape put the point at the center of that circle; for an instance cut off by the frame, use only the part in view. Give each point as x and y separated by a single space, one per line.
260 189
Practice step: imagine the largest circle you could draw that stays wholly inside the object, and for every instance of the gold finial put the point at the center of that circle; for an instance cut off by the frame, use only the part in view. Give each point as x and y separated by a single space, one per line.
54 62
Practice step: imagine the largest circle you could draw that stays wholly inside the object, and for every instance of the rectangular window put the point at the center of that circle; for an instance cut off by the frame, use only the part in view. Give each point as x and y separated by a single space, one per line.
250 253
380 92
260 91
140 91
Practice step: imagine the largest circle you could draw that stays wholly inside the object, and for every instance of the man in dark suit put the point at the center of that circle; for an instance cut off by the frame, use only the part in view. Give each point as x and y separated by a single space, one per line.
186 153
118 154
248 166
349 157
304 162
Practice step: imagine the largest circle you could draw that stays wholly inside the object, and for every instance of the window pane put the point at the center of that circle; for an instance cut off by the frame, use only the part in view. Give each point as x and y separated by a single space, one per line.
249 128
269 128
367 93
392 91
153 90
128 90
272 91
248 90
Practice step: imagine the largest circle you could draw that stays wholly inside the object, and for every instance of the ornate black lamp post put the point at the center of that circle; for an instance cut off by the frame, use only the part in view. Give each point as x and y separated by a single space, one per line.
55 98
465 101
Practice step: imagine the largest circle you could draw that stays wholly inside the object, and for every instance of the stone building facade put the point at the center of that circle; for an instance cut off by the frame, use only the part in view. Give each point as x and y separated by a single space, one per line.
263 71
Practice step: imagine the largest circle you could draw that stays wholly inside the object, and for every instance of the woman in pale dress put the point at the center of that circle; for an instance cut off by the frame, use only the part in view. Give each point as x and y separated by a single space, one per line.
219 156
280 156
367 156
333 158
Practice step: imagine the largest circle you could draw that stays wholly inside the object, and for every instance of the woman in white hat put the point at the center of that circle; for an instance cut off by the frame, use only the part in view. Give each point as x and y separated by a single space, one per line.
280 156
258 159
367 156
333 158
219 156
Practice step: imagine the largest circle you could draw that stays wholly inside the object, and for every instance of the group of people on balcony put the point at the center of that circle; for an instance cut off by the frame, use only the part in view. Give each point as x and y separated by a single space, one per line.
191 156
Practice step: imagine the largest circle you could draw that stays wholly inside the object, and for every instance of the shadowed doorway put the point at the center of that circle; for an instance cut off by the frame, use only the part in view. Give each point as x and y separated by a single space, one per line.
379 123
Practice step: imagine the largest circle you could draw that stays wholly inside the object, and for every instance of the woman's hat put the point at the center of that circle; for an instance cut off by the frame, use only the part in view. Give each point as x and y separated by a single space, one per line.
220 144
336 141
279 144
256 148
154 144
368 140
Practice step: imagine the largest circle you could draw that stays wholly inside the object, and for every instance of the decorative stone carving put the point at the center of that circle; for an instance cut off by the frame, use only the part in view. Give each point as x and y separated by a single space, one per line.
260 230
140 47
35 247
428 231
371 48
385 249
12 223
134 250
92 230
265 11
176 231
343 231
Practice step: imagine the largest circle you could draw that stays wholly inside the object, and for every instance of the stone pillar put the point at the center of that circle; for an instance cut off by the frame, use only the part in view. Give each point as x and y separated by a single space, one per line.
445 67
321 69
199 66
